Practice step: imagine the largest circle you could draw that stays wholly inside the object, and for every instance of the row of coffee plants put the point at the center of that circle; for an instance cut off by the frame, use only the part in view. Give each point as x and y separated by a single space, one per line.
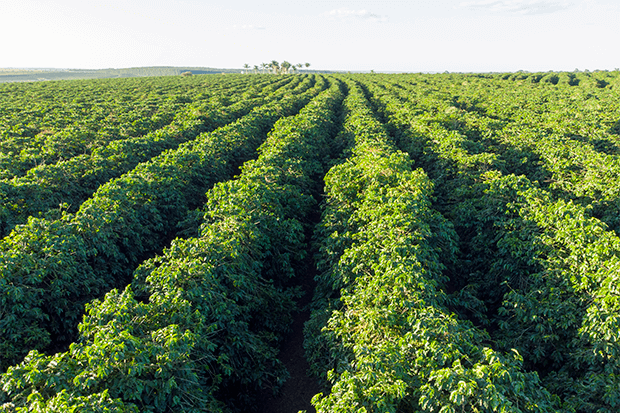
381 327
431 133
545 271
574 154
460 286
28 109
71 182
583 113
560 305
586 80
566 138
581 158
50 268
199 327
88 122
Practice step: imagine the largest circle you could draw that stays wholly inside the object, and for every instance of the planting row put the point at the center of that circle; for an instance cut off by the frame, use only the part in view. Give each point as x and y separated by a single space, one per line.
536 271
484 280
382 329
51 268
67 184
198 328
42 128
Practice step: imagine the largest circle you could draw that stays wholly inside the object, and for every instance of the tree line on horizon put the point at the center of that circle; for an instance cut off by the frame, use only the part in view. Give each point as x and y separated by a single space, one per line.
275 67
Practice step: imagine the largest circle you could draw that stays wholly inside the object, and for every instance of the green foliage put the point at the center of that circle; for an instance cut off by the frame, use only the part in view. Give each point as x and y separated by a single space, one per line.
201 331
71 182
482 279
535 263
51 268
391 342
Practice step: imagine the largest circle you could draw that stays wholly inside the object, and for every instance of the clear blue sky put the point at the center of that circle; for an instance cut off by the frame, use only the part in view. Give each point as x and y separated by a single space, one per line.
434 35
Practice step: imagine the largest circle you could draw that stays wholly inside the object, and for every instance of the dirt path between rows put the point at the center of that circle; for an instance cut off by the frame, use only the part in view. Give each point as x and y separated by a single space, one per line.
299 389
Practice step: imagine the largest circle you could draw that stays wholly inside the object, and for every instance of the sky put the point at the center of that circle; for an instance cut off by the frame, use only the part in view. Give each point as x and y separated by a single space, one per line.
384 36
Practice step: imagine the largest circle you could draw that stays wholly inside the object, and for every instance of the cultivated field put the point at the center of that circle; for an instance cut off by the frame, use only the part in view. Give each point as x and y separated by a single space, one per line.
447 242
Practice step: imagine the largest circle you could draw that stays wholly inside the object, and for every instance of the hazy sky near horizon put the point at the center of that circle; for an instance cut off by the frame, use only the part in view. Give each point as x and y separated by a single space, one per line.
434 35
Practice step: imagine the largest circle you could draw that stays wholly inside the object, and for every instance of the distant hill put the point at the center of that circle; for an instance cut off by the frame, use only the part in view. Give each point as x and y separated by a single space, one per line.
32 75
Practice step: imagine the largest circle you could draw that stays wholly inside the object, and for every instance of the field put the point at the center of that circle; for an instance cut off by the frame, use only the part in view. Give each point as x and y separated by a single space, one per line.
33 75
446 242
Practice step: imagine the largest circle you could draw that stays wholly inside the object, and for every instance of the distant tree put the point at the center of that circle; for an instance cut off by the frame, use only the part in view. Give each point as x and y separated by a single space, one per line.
188 73
275 67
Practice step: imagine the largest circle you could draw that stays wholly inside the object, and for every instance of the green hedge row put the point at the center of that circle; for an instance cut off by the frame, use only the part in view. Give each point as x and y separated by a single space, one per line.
198 330
382 328
560 308
50 268
580 155
77 118
67 184
538 272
